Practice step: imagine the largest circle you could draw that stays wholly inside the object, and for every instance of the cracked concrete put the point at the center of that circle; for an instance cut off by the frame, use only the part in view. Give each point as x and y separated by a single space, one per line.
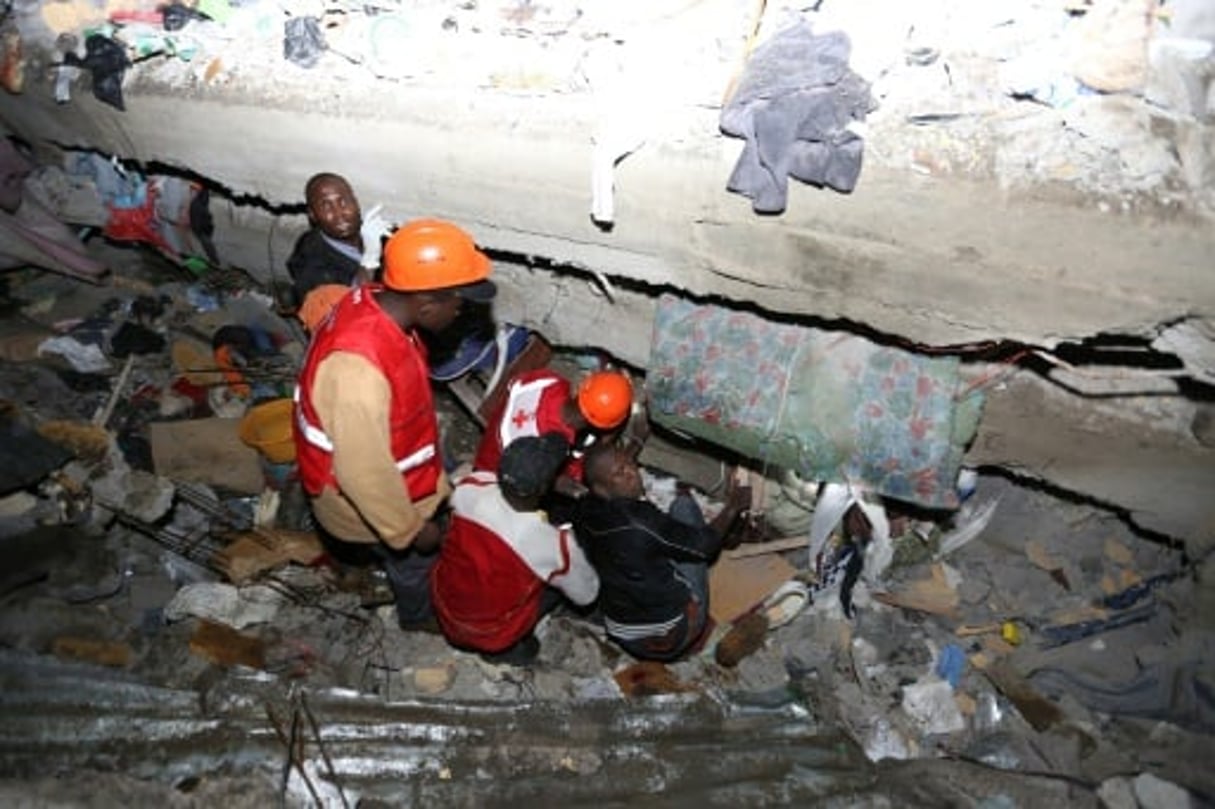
926 251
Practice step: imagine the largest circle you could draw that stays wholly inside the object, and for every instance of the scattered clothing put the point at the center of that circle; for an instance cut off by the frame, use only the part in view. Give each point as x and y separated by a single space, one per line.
793 104
1178 691
29 232
132 338
303 42
484 352
108 62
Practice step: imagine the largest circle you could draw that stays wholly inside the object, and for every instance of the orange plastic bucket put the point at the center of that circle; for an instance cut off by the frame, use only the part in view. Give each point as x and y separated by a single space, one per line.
267 428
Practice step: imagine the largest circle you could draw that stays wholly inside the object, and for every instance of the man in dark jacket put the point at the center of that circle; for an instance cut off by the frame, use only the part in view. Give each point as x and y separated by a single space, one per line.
333 250
653 567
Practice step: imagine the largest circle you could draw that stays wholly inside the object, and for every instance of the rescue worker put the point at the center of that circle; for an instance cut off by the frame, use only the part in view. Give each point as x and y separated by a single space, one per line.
541 401
366 435
503 565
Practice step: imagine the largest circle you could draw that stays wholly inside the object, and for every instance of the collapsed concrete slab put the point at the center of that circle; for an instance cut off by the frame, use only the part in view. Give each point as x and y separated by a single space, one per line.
969 223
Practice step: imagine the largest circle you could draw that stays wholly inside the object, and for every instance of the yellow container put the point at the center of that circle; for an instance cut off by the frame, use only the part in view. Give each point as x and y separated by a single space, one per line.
267 428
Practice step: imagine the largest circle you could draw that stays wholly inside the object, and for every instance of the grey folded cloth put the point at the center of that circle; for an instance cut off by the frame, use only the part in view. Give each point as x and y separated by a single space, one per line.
793 103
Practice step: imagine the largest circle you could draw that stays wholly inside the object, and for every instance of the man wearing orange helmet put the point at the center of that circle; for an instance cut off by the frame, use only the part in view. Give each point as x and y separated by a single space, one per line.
542 401
366 435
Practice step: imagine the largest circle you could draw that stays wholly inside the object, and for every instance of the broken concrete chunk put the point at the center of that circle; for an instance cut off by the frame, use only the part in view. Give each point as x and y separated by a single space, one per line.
1179 76
225 604
434 679
1109 46
886 741
17 504
1157 793
1193 339
135 493
1117 793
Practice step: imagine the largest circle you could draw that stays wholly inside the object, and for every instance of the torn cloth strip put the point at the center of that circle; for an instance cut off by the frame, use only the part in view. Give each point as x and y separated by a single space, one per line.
830 406
794 102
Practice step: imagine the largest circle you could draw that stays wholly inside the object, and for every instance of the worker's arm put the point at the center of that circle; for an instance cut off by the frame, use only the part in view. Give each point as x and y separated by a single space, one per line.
578 580
352 400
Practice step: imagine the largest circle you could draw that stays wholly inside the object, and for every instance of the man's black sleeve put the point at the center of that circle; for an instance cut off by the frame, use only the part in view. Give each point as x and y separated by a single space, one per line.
313 263
682 542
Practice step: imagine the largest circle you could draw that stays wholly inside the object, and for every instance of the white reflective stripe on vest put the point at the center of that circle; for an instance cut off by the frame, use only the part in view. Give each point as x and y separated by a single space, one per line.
522 400
416 458
316 437
312 434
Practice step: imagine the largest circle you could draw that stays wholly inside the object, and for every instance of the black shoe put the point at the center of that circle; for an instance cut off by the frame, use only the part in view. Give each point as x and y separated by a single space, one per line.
523 653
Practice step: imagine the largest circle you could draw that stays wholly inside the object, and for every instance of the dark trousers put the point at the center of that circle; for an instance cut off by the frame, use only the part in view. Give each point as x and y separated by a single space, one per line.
409 577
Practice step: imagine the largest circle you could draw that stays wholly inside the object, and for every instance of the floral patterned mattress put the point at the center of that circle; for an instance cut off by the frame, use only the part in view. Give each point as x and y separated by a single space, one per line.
831 406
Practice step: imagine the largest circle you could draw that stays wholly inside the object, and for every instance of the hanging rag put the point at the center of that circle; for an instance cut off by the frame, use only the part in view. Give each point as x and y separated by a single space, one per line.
108 62
794 103
303 42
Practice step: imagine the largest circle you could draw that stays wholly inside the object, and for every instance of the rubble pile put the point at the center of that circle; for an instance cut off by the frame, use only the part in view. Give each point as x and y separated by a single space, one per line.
1020 634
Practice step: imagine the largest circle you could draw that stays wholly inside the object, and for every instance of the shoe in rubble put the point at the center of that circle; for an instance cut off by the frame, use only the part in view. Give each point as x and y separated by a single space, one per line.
744 638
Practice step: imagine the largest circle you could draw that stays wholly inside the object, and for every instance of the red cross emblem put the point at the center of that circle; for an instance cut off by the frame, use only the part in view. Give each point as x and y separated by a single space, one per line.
522 417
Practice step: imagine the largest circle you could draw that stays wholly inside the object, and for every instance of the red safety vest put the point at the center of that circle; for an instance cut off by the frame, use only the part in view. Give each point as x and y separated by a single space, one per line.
359 326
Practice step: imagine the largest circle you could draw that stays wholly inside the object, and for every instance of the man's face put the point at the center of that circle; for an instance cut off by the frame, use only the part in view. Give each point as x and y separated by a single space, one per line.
440 312
333 208
619 475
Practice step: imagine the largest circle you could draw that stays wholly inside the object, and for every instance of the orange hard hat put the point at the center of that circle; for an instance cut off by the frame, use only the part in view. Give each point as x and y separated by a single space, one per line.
605 398
428 254
319 303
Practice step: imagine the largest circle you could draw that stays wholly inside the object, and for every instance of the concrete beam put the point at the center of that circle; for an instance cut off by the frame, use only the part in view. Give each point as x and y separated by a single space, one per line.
938 260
